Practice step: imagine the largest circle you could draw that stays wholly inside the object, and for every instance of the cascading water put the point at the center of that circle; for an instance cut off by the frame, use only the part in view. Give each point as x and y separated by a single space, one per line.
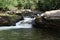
26 23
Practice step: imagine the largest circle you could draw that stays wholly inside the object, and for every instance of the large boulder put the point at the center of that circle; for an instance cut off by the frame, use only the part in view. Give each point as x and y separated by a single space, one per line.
54 14
49 19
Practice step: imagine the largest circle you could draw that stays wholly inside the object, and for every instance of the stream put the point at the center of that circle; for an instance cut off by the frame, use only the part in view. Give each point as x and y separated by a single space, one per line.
26 23
24 31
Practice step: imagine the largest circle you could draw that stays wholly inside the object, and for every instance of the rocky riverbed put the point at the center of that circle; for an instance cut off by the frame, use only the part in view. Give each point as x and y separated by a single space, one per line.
9 18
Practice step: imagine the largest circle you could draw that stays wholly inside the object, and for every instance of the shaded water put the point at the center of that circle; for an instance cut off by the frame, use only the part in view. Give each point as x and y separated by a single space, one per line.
24 31
29 34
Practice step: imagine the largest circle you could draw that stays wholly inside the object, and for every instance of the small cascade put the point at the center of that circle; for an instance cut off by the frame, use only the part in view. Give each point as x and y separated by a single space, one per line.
26 23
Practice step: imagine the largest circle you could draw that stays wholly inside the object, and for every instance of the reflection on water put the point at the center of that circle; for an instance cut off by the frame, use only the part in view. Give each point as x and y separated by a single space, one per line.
30 34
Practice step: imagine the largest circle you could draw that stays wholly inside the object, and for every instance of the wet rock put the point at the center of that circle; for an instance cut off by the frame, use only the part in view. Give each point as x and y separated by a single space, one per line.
5 21
38 22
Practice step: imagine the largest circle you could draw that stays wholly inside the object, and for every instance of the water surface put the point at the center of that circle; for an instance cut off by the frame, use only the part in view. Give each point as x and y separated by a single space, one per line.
29 34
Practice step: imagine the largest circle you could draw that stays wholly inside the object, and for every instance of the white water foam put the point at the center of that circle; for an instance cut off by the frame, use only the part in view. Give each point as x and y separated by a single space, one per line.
26 23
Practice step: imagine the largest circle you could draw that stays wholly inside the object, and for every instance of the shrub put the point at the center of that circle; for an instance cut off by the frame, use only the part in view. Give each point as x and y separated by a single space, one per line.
45 5
27 4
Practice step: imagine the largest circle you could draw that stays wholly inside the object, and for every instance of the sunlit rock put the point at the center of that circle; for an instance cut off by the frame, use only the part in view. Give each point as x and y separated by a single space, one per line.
50 18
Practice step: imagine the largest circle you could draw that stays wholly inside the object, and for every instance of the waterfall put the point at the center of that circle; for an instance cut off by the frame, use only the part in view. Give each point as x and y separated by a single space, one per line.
26 23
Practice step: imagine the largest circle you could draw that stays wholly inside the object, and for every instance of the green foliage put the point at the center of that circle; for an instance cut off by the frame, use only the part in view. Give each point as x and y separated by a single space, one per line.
45 5
7 4
27 4
42 5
